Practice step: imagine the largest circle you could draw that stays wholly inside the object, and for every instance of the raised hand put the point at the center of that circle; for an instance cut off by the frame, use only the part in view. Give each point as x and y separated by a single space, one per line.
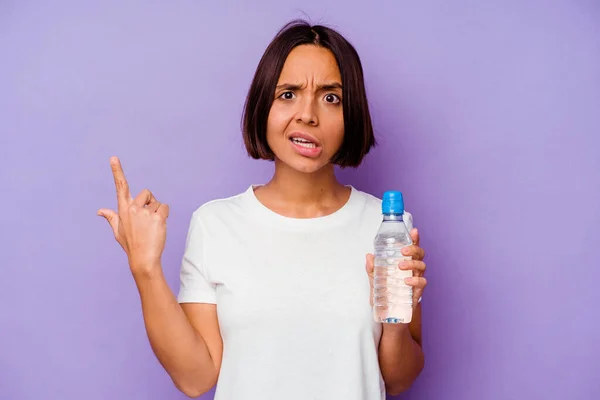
139 225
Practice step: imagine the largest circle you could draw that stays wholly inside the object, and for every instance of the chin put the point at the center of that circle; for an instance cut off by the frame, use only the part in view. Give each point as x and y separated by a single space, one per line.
304 164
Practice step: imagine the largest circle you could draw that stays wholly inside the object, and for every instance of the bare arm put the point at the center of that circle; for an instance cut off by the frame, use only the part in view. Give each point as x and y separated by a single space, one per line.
401 357
185 338
187 343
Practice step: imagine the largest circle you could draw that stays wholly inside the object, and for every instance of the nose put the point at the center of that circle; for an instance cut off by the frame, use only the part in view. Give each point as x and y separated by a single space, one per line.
307 113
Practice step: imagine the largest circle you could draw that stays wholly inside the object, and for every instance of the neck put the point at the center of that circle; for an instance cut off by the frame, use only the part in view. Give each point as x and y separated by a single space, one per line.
297 194
305 188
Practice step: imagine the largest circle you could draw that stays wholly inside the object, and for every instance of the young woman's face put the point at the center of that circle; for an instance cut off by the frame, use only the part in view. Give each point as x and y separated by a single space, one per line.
305 128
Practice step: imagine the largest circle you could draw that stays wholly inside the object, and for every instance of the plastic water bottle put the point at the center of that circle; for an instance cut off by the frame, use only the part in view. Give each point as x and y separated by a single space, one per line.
392 297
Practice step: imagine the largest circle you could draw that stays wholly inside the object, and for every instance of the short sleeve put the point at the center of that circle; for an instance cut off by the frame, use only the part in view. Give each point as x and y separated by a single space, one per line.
195 286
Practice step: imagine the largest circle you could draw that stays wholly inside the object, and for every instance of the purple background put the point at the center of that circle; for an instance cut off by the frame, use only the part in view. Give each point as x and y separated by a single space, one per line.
488 117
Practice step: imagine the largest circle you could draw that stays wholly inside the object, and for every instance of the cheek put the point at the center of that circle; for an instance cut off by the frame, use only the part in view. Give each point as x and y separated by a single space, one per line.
276 123
336 127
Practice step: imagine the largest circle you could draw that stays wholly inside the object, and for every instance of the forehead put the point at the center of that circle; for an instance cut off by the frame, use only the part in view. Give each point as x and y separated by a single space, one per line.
310 62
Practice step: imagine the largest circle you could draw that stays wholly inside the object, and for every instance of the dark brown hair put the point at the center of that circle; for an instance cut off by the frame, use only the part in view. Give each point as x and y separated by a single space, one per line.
358 131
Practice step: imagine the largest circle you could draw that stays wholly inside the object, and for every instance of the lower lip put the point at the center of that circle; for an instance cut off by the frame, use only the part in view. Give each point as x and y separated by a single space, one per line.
307 151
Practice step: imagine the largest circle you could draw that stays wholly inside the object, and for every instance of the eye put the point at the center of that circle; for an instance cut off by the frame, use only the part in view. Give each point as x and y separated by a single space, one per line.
332 98
287 95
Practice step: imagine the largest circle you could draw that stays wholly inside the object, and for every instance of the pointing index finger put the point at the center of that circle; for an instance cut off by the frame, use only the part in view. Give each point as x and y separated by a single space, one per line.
121 184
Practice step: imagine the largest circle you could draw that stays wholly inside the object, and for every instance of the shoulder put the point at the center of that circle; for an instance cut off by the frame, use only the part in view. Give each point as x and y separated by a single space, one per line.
371 202
373 207
217 208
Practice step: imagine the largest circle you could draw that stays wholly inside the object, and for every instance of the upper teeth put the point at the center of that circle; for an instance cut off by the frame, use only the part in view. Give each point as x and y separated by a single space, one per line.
304 143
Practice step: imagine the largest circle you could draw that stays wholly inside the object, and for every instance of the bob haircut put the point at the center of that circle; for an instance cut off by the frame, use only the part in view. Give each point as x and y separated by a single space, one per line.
358 130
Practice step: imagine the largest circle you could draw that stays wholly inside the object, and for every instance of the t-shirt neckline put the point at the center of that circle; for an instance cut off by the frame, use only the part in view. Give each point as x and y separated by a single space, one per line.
341 215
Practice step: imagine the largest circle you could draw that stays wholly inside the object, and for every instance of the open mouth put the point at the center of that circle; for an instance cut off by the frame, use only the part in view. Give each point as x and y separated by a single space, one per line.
303 142
305 145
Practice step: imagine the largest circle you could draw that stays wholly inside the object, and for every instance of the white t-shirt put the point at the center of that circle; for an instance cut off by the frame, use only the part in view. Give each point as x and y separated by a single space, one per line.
292 298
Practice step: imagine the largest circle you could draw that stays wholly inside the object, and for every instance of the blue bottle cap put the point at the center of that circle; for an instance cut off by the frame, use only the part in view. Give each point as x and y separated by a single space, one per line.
392 202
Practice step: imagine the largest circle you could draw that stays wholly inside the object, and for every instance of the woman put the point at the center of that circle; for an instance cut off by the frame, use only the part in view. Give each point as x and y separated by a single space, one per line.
274 297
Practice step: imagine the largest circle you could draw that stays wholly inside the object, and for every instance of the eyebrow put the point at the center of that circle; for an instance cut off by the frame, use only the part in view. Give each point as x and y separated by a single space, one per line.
325 86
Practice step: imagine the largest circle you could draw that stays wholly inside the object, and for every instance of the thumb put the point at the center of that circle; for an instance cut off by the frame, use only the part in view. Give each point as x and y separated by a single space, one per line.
414 235
370 265
112 218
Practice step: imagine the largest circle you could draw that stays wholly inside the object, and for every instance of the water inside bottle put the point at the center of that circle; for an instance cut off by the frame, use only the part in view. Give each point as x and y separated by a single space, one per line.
392 297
